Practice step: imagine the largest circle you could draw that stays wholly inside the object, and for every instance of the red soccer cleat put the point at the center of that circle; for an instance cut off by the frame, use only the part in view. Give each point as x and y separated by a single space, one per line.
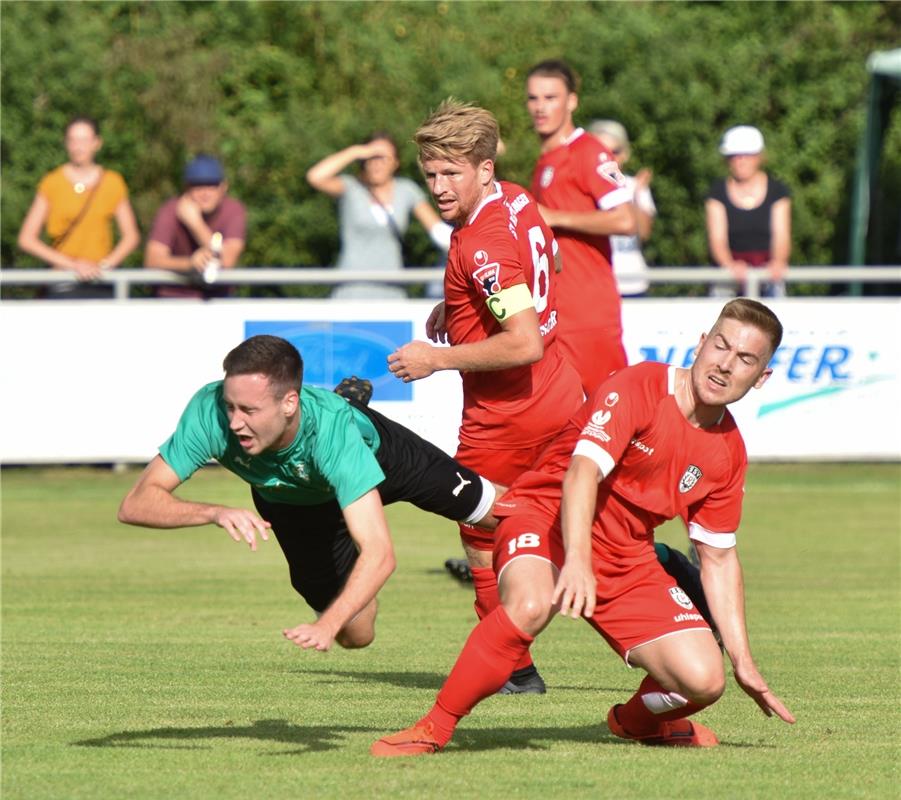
672 733
417 740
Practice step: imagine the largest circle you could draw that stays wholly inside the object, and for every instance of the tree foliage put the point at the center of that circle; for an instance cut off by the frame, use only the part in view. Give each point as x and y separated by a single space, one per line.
273 87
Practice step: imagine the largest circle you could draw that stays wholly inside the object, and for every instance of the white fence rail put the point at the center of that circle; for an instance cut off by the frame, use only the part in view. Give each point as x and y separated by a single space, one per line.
123 279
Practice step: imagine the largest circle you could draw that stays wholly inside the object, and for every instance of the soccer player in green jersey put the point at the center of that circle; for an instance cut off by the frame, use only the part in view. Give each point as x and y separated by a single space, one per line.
321 469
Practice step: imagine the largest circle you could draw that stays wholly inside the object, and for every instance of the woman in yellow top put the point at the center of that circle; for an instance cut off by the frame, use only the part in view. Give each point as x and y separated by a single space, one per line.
77 202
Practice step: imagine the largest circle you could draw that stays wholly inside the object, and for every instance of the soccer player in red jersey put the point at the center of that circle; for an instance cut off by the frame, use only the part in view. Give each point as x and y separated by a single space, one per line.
500 317
576 537
582 197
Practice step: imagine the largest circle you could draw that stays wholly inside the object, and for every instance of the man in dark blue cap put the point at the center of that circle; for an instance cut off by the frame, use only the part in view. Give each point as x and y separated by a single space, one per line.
199 232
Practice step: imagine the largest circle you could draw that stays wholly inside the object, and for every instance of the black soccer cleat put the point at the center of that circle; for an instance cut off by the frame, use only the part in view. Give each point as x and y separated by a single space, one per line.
354 388
524 681
459 569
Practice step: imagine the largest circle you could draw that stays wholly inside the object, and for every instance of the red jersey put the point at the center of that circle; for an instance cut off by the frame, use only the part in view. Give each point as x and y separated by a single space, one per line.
582 175
505 243
658 466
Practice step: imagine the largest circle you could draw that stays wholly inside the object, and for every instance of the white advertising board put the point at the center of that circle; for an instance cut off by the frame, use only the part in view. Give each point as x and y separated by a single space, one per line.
87 382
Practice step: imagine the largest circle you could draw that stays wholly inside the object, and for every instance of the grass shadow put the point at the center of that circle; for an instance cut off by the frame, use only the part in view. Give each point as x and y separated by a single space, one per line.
405 680
302 738
545 738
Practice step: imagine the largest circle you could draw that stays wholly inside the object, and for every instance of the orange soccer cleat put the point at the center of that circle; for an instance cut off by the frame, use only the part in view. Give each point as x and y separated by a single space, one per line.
417 740
671 733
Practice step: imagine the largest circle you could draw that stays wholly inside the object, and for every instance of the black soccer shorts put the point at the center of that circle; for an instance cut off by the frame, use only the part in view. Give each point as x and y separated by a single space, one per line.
315 540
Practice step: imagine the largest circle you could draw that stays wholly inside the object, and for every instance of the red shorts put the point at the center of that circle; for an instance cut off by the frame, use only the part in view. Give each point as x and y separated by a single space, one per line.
635 604
499 466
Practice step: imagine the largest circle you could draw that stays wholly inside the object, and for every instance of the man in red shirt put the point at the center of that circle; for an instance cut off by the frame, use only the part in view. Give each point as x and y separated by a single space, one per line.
576 537
500 317
580 189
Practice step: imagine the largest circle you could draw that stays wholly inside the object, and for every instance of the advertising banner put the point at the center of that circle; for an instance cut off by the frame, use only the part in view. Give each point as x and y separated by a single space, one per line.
89 382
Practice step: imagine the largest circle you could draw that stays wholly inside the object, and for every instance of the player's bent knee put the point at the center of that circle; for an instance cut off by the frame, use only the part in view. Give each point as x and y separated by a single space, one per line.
529 612
703 686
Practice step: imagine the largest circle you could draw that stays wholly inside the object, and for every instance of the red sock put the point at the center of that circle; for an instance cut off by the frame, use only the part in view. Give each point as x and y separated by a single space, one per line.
487 599
651 705
483 666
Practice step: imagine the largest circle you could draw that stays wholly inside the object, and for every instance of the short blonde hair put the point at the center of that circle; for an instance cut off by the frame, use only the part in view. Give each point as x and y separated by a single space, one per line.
752 312
458 131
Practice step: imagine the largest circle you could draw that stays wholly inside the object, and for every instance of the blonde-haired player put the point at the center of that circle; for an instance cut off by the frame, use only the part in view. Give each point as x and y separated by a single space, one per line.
500 318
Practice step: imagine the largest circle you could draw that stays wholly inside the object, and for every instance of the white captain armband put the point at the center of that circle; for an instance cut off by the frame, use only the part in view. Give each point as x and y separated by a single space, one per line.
507 302
722 541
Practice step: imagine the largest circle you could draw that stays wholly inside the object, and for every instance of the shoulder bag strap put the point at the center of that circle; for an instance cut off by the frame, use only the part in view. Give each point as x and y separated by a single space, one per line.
55 244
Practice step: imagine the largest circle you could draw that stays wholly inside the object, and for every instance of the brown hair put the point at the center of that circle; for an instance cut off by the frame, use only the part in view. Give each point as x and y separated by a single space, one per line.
458 132
743 309
272 356
555 68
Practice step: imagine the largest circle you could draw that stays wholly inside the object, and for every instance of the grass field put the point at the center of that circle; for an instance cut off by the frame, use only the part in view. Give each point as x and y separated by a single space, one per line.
145 664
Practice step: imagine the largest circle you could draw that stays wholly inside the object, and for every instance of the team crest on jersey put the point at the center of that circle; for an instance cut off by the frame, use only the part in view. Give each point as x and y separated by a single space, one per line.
547 175
679 597
609 170
488 277
300 470
689 478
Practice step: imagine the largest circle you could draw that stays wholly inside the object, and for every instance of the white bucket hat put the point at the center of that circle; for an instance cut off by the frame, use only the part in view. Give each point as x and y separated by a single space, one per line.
742 140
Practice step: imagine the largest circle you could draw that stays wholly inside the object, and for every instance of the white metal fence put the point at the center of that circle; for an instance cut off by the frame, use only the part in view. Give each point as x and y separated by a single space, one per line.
123 279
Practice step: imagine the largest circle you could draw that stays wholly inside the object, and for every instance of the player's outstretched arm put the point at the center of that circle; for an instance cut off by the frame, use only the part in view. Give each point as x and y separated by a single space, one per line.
721 576
151 503
366 522
518 343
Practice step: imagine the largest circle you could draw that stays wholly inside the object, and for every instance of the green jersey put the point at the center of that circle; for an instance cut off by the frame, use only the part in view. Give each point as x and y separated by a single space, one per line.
331 458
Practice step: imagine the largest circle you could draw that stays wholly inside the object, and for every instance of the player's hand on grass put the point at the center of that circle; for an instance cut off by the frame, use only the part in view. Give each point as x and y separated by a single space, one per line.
436 324
316 635
412 361
242 525
575 589
753 684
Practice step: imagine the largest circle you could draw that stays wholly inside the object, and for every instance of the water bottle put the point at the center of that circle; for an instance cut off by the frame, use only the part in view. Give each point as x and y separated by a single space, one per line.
211 271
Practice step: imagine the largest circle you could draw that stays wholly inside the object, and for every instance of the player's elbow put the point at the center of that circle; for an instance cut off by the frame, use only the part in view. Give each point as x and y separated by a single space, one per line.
129 510
388 563
124 514
532 349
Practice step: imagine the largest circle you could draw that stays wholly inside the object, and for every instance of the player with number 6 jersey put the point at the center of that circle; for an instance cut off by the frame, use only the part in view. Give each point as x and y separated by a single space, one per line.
500 263
499 316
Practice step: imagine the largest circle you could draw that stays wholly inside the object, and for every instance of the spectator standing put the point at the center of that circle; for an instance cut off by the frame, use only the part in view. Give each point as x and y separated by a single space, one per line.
77 203
749 213
629 265
200 231
374 212
579 186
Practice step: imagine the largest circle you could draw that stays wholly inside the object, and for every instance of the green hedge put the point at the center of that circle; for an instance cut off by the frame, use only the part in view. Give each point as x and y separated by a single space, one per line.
272 87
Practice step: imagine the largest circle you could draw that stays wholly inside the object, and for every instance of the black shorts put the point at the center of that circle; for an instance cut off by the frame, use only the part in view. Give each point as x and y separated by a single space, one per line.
315 540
